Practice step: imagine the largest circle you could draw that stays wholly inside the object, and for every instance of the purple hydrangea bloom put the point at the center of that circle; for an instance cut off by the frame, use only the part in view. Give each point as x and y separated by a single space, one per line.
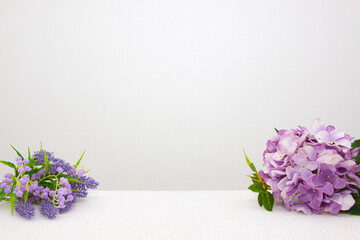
25 209
308 172
48 209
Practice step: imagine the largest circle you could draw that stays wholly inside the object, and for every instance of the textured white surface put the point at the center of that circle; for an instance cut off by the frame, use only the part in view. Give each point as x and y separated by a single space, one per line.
207 215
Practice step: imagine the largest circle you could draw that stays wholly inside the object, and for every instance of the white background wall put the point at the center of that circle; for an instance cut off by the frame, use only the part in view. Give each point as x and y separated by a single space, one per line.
165 94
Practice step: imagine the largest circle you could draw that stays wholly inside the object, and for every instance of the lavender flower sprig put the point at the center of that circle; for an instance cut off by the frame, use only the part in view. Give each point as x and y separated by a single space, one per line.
43 179
310 172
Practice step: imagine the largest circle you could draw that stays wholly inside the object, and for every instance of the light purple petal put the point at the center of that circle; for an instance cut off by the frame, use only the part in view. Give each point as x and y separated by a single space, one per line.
328 189
317 125
336 134
299 159
302 208
344 142
333 208
323 136
347 201
288 144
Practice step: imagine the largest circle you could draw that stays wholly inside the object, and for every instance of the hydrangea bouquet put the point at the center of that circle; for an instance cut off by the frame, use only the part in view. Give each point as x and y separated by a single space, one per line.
310 172
42 179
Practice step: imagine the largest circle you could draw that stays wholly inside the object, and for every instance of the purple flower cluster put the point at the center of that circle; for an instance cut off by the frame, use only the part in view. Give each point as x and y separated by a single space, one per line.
56 190
7 183
312 172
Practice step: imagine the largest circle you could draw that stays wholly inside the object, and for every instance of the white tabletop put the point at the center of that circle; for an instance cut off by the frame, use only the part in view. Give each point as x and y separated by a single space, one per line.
170 215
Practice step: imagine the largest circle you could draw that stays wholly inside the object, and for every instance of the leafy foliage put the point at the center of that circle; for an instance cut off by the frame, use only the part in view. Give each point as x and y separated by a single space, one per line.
355 210
17 152
356 144
79 161
46 162
265 198
9 164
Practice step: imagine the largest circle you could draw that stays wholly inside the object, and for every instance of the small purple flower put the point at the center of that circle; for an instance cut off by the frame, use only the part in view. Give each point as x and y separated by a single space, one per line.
344 199
333 136
26 161
64 181
68 206
62 191
25 210
59 170
48 209
8 180
69 198
328 174
21 170
27 168
19 163
80 172
39 156
44 195
7 190
89 182
61 205
19 193
23 181
61 198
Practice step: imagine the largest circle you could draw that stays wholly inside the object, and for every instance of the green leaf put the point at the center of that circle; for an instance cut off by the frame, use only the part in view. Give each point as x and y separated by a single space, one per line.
252 167
2 194
357 159
70 179
30 158
17 152
268 201
356 143
260 198
249 163
46 162
14 180
246 158
9 164
26 195
12 202
50 184
256 187
355 210
276 130
78 162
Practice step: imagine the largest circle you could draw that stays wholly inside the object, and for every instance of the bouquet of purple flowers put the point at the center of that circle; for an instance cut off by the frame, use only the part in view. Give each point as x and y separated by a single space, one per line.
310 172
42 179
